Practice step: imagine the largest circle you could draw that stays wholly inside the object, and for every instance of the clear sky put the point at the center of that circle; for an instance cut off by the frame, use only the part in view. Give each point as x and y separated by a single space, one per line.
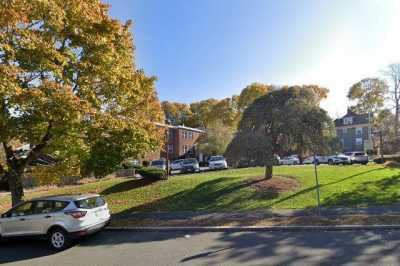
201 49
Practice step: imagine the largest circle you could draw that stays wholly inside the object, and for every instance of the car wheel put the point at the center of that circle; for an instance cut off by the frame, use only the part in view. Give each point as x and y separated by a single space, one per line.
59 239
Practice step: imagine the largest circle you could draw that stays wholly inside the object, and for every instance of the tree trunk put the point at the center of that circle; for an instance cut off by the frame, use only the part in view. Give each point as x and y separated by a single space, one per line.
396 120
268 170
14 179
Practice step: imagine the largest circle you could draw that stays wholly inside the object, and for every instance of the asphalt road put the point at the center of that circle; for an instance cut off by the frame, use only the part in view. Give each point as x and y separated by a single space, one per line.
217 248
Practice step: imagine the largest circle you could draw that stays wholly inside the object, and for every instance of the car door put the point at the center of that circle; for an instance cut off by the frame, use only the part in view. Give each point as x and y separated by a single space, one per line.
42 216
16 221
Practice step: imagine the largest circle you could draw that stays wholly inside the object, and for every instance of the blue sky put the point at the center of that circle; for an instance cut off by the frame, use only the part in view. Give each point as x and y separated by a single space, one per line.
201 49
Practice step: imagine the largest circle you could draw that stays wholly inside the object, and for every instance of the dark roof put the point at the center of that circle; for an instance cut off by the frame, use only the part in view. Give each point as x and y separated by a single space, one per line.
358 119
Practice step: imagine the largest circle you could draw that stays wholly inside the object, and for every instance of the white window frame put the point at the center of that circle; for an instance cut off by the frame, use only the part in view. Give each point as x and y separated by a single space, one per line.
348 120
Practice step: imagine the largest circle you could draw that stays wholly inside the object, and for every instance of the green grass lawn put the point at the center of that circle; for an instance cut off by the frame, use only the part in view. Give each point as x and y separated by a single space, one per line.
348 186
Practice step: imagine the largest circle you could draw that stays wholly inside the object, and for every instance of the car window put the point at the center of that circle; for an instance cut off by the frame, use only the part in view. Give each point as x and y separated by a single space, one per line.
359 154
189 161
60 205
22 210
90 203
216 158
42 206
157 163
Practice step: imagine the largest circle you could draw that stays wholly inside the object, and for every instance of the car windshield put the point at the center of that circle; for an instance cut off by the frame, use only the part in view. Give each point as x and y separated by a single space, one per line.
359 154
216 158
157 162
189 161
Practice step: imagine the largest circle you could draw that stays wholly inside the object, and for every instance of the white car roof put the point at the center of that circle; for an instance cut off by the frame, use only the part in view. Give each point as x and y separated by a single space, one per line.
68 197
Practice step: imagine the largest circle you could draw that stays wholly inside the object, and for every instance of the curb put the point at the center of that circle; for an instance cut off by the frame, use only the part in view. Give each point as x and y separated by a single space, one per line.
254 228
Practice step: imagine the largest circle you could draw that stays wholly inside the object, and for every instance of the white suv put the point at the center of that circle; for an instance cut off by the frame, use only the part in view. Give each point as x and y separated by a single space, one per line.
59 218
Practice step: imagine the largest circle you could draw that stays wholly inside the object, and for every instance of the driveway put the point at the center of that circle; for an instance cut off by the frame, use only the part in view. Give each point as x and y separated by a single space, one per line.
217 248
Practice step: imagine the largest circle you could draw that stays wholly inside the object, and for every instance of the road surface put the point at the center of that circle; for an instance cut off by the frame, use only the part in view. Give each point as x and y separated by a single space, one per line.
216 248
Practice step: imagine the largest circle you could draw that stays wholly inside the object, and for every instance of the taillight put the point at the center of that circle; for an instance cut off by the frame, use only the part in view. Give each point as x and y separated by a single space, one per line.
76 214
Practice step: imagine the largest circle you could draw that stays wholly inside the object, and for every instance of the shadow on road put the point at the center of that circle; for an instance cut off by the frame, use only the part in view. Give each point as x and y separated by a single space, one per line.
23 249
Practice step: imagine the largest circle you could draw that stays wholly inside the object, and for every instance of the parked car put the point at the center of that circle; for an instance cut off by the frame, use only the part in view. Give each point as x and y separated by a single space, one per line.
190 165
319 158
358 157
162 164
339 159
58 218
217 162
290 160
176 165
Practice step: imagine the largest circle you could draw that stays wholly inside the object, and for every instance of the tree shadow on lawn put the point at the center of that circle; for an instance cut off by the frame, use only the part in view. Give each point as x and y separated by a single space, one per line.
206 196
371 193
128 185
313 188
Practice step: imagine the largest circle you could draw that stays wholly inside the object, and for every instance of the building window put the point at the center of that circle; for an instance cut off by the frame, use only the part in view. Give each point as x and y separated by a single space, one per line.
359 141
191 150
359 132
170 148
185 149
345 130
348 120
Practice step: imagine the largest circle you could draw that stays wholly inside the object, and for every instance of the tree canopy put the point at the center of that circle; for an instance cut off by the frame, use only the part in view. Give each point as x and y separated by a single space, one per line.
68 82
275 123
368 94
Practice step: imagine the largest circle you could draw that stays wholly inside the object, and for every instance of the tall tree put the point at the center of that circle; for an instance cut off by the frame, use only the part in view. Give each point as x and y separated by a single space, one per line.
252 92
271 125
176 113
368 94
202 113
393 73
216 140
67 74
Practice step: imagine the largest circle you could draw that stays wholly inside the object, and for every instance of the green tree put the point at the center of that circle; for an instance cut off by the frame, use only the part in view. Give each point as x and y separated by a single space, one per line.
272 124
67 75
368 94
216 140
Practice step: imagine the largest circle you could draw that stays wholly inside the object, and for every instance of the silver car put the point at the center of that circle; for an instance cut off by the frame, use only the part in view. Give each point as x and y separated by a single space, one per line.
58 218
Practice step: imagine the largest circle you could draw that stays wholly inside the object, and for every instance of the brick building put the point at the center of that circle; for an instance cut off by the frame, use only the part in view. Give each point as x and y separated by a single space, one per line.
181 142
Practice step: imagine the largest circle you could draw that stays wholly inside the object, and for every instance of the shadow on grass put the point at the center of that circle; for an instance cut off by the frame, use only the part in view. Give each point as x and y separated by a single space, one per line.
310 189
206 196
128 185
371 193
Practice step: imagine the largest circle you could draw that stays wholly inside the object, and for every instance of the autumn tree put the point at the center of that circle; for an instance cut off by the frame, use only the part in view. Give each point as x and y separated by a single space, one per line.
252 92
272 123
68 79
368 94
176 113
